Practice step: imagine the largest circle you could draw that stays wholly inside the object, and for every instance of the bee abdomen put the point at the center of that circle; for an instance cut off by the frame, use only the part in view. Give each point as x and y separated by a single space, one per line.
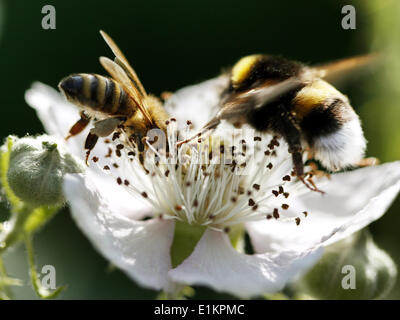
97 93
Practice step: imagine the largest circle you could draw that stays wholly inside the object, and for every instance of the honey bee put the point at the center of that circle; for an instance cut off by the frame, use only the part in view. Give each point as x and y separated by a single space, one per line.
289 99
117 102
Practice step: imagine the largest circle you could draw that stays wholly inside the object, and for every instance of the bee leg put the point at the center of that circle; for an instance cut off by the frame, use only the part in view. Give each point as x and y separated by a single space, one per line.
90 142
79 126
139 141
366 162
104 128
309 179
101 128
292 135
309 183
315 171
305 178
297 159
141 149
165 95
208 128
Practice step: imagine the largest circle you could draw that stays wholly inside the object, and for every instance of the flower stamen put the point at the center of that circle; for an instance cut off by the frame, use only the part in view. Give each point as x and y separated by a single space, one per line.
199 183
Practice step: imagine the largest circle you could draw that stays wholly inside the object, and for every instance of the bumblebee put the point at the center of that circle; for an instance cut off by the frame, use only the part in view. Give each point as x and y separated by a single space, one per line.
289 99
113 103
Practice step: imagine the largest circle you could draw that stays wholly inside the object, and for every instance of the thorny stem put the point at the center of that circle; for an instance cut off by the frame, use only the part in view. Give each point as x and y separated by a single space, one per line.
40 290
5 292
13 234
10 235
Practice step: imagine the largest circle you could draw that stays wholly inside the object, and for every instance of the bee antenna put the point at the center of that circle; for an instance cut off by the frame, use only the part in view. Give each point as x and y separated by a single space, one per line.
211 125
310 186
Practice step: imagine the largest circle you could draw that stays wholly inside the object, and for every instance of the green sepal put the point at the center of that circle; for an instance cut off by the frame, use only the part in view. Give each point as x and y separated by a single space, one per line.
180 293
186 237
236 236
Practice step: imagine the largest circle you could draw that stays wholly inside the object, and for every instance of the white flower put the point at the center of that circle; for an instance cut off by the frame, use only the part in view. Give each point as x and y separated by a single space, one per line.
130 216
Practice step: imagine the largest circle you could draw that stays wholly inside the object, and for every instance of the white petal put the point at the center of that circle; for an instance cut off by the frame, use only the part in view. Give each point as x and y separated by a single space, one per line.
215 263
352 201
121 201
53 110
197 103
55 113
140 248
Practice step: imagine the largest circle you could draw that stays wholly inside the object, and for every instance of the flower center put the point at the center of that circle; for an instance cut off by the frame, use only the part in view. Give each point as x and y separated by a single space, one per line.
218 181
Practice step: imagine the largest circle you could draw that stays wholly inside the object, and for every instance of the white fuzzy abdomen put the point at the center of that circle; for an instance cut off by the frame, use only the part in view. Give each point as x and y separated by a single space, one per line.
342 148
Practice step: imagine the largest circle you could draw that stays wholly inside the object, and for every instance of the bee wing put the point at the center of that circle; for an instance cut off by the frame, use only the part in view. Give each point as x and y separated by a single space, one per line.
269 93
258 97
264 94
337 70
119 74
242 103
123 62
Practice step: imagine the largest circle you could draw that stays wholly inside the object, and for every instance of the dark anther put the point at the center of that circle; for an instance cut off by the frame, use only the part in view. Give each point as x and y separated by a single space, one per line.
251 202
115 136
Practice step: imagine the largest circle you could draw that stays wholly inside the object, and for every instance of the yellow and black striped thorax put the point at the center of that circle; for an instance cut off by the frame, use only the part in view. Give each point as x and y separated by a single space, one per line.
97 93
253 70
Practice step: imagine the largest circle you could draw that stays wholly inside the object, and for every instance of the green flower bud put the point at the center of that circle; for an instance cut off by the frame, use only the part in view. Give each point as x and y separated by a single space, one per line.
354 268
36 170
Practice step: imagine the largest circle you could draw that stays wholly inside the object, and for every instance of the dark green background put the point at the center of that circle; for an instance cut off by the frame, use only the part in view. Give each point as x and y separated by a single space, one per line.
172 44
